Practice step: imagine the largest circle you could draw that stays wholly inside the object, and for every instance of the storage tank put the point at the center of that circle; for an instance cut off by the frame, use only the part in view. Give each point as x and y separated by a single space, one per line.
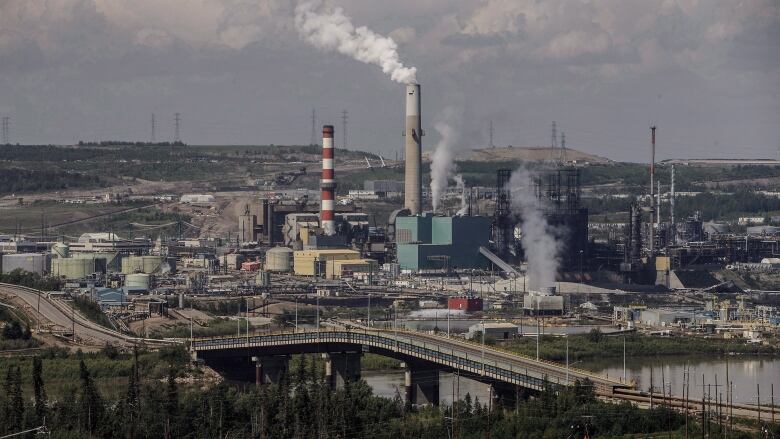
141 264
138 281
279 259
71 268
60 250
31 262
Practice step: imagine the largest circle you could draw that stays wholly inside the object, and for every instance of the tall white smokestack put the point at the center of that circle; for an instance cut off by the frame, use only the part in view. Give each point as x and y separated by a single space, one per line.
328 186
413 150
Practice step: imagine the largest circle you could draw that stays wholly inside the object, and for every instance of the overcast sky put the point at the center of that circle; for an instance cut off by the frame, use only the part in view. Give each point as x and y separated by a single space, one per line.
707 72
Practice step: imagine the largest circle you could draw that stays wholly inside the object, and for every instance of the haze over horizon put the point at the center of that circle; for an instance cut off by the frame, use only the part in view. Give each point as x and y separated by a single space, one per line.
707 73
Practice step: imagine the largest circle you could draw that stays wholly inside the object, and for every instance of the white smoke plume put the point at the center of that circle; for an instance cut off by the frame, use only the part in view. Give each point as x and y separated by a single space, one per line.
443 157
461 184
334 31
539 240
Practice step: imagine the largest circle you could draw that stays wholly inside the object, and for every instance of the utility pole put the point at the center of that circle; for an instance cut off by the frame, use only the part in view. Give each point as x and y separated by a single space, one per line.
152 138
553 141
491 135
177 127
672 224
344 127
652 190
563 147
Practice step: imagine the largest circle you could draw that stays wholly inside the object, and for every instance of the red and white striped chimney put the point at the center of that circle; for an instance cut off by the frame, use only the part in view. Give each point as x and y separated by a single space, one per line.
327 198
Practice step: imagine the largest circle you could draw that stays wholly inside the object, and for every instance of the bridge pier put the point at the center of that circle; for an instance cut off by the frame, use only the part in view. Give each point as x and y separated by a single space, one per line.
421 382
341 367
270 369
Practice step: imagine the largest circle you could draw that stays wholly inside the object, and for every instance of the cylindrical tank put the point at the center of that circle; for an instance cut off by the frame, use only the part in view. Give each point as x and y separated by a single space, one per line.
138 280
151 264
60 250
71 268
279 259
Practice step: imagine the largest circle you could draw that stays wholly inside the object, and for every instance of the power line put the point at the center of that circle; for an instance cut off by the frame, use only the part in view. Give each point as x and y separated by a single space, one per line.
344 127
177 127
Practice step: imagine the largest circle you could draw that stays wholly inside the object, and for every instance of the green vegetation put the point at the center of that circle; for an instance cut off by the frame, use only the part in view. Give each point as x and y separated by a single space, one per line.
19 181
371 361
596 345
91 310
31 280
15 333
300 406
132 224
213 328
711 206
108 367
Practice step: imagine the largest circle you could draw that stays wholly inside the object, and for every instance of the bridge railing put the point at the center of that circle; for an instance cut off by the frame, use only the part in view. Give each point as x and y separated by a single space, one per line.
439 349
505 352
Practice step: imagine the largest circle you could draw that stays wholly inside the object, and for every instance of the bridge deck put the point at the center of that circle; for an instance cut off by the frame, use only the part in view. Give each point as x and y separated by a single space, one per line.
472 358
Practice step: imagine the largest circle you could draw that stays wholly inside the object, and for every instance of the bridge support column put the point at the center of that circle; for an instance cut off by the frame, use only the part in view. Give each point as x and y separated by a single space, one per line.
341 367
269 370
421 383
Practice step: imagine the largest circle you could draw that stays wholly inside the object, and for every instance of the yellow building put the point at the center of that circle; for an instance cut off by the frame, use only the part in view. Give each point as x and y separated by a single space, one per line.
314 262
346 267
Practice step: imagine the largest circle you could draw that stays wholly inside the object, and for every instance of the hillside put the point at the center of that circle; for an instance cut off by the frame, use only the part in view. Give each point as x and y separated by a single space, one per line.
532 154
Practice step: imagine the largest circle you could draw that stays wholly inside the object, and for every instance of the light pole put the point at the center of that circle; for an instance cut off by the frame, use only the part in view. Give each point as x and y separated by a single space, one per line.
624 358
191 314
296 313
318 316
567 359
483 346
368 317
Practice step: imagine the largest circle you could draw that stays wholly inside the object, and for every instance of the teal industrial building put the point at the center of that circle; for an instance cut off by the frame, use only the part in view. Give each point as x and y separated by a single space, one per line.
434 242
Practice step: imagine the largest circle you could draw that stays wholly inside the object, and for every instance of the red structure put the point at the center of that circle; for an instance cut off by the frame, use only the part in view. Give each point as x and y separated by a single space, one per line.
327 198
465 303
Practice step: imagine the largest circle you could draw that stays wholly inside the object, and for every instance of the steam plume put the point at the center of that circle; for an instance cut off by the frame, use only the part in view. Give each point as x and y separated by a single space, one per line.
539 240
334 31
443 157
464 208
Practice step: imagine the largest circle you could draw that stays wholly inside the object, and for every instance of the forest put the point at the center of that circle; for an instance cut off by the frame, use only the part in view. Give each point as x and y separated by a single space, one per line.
300 406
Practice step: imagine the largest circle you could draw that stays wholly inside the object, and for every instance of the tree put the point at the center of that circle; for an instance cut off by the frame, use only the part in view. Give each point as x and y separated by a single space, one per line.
90 403
171 404
38 389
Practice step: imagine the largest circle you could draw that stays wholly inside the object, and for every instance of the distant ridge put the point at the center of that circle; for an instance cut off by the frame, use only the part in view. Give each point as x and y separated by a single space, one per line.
529 154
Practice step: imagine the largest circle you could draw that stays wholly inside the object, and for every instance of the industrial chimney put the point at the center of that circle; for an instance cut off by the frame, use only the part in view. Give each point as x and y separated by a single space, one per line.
413 150
328 185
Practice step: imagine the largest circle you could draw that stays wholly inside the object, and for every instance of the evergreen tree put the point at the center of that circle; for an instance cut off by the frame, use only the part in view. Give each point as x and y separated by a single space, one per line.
90 403
171 405
16 419
38 389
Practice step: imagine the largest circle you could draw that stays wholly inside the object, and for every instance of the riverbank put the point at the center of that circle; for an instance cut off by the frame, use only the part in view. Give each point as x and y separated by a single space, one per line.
597 346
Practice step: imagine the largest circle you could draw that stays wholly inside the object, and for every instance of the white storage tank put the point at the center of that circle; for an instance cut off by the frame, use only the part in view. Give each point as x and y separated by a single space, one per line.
71 268
138 281
32 262
141 264
279 259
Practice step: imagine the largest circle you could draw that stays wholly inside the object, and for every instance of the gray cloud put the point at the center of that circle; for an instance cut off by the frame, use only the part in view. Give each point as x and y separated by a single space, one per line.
237 70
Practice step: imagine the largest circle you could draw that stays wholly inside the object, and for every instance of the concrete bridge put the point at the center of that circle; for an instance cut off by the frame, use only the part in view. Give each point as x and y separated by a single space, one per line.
263 358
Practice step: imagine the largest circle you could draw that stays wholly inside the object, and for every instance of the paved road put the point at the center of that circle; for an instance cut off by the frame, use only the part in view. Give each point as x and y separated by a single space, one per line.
58 316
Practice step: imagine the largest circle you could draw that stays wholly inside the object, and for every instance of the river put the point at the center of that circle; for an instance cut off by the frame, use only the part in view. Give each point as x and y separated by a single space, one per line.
745 373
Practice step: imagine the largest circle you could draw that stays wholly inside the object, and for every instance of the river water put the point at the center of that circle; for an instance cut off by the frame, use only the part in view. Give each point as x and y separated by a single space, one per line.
745 373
